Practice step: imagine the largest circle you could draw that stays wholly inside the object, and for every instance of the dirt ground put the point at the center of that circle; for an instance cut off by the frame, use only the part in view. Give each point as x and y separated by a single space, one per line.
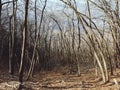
58 81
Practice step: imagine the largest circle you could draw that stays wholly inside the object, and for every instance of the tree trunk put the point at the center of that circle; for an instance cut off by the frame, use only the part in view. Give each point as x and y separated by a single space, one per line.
24 44
35 44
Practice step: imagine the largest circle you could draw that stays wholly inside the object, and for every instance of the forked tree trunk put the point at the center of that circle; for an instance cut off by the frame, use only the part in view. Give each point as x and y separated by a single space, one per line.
12 54
35 44
24 45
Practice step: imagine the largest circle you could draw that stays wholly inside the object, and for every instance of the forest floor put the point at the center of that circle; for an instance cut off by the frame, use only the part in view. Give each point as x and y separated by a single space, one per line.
58 81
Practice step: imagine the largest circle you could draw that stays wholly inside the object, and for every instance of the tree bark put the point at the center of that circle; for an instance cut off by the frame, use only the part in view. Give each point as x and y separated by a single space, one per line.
24 44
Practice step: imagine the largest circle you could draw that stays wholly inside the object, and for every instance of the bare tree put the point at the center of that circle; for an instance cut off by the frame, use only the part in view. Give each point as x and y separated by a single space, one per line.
85 24
35 44
12 39
24 44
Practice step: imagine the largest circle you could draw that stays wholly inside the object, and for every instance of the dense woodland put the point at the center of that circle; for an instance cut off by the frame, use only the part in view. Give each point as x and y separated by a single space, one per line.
35 38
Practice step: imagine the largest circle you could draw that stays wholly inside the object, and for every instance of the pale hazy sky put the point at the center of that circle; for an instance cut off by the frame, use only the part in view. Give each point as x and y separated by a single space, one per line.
57 4
81 1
